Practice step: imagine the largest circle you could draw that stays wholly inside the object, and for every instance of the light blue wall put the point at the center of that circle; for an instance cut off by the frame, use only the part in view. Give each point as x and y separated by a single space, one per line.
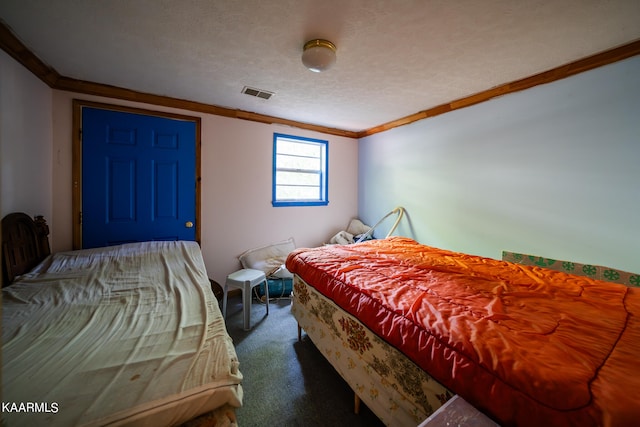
552 171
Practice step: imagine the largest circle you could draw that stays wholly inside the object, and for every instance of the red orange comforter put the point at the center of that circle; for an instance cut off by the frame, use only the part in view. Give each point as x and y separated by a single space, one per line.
526 345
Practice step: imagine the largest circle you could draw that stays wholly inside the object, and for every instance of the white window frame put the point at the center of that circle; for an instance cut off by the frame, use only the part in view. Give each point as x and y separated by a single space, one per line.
280 169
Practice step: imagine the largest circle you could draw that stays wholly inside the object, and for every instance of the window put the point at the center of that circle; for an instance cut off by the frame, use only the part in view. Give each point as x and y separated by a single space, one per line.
299 171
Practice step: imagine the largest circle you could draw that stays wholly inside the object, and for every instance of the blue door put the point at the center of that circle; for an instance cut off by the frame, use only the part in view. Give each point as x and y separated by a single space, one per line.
138 178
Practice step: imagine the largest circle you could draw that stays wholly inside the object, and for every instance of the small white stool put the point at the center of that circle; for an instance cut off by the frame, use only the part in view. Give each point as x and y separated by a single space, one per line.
245 279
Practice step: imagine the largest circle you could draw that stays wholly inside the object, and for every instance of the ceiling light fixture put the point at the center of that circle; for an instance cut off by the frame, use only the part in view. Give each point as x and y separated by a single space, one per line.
319 55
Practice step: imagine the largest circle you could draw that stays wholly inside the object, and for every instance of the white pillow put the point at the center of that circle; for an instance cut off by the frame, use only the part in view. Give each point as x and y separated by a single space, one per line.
342 238
269 258
282 273
357 227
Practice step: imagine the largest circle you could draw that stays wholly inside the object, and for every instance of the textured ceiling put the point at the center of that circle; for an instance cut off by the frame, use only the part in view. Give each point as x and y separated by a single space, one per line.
395 58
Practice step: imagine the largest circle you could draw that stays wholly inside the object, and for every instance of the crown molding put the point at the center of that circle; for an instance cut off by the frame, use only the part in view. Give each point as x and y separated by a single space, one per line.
558 73
17 50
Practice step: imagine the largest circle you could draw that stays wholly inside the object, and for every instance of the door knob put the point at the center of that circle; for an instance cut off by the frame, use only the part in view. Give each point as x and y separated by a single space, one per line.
188 224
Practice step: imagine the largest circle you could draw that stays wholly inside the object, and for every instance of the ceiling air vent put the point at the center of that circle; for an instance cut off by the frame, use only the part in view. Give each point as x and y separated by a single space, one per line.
264 94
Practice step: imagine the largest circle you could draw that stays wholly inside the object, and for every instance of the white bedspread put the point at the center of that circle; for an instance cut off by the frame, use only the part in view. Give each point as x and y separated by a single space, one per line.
129 334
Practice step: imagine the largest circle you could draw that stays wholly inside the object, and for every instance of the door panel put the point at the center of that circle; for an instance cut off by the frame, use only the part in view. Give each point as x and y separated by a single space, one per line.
121 203
138 178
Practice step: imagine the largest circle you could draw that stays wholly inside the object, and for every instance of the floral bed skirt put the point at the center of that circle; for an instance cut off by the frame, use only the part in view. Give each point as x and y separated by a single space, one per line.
392 386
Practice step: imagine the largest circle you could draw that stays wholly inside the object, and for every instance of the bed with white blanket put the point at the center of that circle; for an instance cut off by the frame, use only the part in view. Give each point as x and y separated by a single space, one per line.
122 335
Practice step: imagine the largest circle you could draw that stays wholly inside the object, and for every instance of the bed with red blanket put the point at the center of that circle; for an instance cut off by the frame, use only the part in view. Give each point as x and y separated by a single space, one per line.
527 346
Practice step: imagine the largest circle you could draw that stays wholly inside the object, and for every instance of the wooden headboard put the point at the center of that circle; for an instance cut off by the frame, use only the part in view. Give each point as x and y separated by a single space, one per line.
25 243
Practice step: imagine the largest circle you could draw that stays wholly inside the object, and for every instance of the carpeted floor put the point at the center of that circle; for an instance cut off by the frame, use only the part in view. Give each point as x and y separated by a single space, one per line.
287 382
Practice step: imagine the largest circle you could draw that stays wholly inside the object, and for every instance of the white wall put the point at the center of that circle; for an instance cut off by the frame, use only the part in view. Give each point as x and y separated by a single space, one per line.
25 141
236 186
551 171
36 161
